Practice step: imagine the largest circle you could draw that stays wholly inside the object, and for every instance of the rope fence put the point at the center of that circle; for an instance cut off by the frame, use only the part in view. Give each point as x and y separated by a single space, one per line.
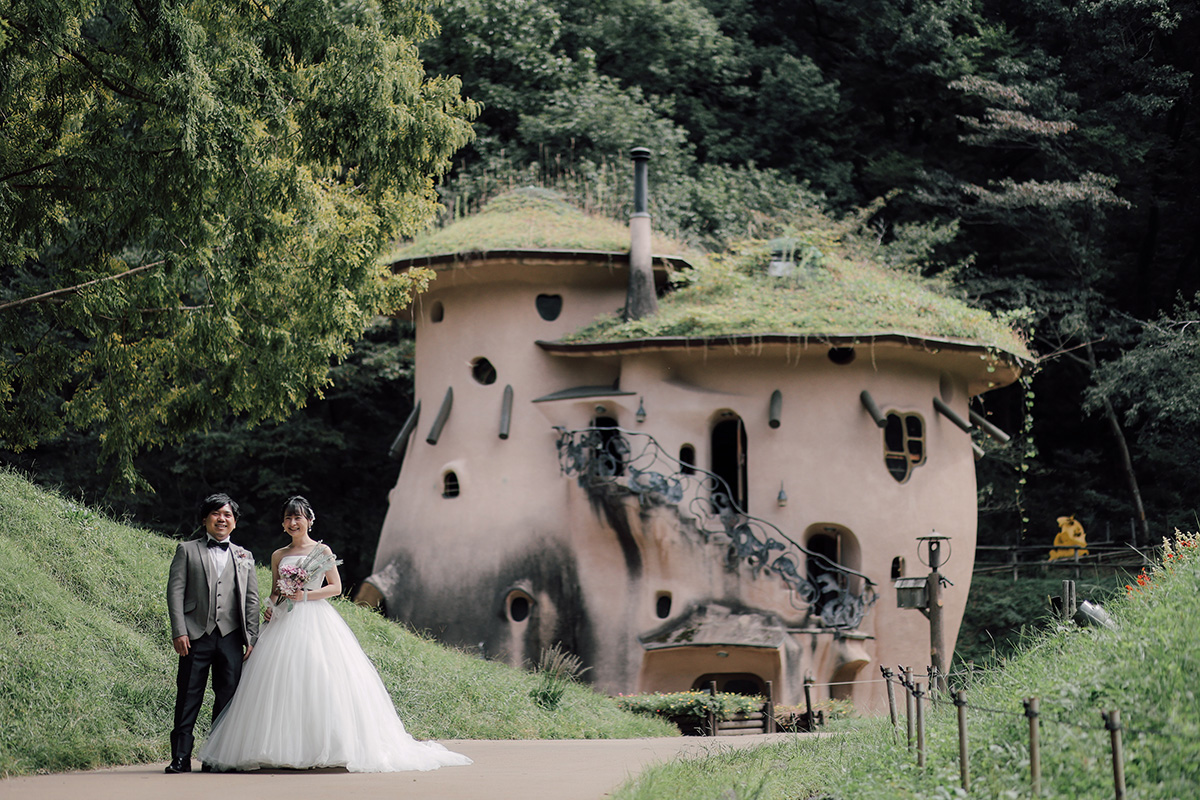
918 695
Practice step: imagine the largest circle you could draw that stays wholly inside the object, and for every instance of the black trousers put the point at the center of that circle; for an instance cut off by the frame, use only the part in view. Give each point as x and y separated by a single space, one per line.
221 654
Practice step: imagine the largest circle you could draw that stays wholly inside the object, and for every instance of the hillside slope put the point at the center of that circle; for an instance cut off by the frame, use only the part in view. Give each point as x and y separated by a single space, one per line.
87 674
1145 668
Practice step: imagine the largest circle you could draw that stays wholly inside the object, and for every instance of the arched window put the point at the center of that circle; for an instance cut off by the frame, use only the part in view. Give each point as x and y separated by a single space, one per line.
437 312
832 548
450 484
820 568
746 683
729 460
903 444
662 605
687 459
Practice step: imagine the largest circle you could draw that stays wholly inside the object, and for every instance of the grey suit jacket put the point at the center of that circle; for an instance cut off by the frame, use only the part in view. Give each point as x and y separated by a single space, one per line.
190 585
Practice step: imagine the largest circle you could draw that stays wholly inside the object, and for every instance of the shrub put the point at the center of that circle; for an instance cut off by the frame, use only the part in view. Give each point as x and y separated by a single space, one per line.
690 704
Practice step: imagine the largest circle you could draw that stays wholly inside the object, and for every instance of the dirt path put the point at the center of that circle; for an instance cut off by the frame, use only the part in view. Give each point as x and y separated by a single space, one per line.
503 770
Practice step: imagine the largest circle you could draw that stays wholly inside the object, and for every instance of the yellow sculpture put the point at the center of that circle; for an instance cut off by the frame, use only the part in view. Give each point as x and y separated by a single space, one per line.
1070 535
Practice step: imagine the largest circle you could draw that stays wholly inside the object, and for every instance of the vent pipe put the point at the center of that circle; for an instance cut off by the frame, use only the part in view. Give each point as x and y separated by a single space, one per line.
640 299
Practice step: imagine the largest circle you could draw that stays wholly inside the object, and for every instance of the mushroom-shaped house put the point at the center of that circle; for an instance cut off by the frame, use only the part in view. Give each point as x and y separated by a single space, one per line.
723 491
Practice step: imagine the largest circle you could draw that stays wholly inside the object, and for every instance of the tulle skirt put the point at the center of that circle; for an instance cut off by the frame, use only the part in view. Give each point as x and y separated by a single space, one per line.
310 697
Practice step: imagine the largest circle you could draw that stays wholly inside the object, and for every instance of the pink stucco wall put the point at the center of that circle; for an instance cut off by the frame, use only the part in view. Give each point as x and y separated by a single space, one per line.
451 565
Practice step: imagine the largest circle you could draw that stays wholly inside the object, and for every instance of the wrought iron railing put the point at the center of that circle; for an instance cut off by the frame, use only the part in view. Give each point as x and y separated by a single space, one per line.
605 457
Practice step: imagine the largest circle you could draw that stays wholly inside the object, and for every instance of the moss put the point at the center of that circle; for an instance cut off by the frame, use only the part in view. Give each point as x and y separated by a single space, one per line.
732 295
529 219
845 283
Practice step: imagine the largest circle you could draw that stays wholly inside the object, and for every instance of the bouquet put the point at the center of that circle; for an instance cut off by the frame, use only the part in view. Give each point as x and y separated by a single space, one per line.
294 577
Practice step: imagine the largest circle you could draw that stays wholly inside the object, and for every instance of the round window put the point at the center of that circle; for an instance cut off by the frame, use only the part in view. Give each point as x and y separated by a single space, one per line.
841 355
519 606
483 371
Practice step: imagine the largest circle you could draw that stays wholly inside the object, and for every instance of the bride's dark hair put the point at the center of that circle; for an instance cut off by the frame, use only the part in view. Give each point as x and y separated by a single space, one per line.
298 505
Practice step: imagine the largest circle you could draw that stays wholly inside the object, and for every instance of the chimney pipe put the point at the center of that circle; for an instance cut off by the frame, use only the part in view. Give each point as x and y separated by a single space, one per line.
640 299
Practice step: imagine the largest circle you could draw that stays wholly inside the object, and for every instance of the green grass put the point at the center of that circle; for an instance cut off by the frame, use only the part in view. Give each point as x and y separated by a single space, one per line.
847 284
87 674
847 296
1001 613
530 218
1146 669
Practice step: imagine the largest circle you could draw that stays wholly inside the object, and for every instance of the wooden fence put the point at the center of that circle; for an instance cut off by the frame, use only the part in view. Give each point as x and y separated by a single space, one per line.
999 559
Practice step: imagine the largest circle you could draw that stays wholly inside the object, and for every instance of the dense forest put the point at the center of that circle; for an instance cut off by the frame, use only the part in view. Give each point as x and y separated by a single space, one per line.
1043 156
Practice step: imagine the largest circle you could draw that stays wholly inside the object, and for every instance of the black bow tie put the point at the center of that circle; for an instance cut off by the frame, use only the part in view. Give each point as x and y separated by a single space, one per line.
214 543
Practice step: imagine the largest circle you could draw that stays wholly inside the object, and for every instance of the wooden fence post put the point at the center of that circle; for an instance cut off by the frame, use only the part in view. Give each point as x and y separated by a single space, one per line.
1068 600
1112 721
812 719
891 693
964 758
920 725
769 709
1035 754
712 712
909 713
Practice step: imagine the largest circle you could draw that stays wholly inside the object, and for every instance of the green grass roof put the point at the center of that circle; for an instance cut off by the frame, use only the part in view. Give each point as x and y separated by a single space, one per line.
529 219
841 298
840 287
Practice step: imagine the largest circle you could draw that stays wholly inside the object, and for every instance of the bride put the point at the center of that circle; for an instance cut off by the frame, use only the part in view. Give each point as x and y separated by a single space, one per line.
309 696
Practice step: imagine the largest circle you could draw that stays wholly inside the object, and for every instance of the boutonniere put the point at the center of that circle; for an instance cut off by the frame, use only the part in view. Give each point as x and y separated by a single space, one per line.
242 554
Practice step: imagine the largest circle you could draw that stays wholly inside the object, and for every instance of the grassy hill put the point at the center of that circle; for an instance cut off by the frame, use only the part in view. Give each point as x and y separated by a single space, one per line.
87 674
1146 668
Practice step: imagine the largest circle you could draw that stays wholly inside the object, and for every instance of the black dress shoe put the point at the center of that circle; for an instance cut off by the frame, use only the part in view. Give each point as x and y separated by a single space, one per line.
178 765
205 767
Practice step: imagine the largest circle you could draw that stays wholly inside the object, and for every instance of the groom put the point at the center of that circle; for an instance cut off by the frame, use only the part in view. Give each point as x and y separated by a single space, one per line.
212 599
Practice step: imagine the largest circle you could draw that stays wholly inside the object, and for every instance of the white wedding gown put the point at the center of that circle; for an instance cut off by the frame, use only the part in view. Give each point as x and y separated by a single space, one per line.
310 697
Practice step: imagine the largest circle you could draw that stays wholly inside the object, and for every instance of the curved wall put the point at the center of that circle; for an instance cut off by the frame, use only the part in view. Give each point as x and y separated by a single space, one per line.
594 566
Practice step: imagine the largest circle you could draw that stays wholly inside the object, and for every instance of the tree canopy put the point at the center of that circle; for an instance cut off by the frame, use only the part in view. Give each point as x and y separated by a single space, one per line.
250 158
193 194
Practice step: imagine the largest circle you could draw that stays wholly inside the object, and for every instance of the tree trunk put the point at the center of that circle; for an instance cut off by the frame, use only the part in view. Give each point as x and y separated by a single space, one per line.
1114 424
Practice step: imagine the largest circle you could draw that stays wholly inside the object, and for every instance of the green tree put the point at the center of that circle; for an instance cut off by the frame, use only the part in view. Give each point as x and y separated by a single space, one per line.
192 197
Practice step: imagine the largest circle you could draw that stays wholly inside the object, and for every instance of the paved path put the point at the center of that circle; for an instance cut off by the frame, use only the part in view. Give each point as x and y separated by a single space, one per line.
564 769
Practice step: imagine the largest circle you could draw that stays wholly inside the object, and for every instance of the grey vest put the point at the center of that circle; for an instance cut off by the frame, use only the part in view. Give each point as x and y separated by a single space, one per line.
224 616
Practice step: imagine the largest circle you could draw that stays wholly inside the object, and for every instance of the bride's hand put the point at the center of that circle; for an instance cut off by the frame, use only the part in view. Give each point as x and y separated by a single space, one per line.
268 610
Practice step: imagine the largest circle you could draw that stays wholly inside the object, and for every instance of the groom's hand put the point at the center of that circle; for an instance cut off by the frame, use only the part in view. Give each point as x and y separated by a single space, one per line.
182 644
249 647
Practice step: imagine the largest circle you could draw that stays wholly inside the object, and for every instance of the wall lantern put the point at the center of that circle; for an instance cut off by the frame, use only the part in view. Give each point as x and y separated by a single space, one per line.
641 412
782 498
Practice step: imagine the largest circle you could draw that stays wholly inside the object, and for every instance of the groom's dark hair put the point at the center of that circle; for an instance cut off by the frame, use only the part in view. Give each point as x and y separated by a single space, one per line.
214 502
